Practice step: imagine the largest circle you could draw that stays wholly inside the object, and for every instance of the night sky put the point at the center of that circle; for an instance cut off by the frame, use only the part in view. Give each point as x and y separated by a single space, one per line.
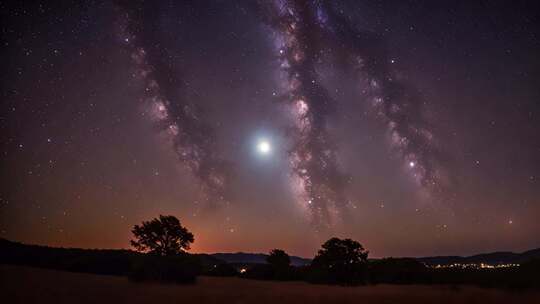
410 126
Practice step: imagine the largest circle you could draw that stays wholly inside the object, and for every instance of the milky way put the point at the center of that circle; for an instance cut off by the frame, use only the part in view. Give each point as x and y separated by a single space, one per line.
313 158
308 33
192 137
395 102
305 35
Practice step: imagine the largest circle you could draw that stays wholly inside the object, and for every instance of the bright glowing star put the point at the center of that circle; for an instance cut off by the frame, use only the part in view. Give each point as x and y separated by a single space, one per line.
263 146
412 164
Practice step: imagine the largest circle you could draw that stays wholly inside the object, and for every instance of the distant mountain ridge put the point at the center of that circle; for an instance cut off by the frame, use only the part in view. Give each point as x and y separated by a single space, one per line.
493 258
254 258
501 257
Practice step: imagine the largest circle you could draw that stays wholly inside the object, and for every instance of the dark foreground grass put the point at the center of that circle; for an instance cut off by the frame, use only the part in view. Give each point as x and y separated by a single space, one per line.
20 284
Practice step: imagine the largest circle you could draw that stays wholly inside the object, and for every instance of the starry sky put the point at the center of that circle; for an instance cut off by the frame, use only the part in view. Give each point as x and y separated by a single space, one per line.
410 126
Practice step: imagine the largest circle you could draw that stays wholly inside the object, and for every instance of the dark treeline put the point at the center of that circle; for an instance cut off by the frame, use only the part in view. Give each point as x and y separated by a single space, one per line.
185 268
182 268
161 255
401 271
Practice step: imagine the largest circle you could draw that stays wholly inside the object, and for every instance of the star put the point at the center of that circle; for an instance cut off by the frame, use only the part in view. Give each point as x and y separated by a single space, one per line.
264 147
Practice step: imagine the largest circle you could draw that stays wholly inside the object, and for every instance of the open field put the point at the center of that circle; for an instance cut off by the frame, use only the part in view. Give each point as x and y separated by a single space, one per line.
31 285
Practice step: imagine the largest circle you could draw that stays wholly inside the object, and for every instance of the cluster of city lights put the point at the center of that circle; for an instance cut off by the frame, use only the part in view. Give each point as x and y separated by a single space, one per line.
474 266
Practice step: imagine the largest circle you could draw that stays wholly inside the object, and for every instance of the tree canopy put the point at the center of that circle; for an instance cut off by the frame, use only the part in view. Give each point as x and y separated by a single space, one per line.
162 236
341 261
278 259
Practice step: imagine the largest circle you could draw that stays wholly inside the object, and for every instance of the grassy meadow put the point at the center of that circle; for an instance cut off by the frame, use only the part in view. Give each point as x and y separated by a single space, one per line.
21 284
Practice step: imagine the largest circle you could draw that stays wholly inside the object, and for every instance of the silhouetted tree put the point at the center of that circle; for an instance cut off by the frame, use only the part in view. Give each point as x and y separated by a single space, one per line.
279 259
280 265
340 261
163 236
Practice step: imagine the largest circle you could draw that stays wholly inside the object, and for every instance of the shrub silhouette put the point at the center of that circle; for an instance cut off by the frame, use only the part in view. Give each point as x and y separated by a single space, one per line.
222 270
259 272
397 271
181 269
